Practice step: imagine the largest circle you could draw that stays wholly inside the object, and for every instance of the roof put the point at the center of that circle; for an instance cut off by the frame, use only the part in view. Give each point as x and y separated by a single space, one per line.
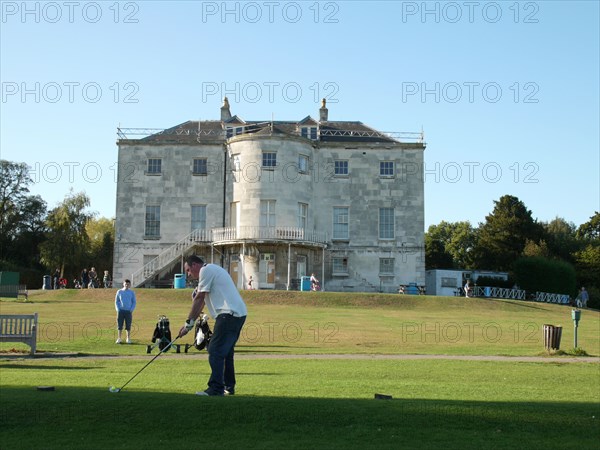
192 132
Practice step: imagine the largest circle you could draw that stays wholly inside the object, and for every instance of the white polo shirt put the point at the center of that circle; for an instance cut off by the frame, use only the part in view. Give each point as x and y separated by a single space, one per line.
222 297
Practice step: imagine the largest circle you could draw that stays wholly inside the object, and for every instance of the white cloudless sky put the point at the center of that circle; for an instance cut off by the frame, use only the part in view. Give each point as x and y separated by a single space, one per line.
507 93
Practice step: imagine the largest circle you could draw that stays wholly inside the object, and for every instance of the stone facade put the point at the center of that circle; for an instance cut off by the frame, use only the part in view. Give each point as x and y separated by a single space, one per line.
275 201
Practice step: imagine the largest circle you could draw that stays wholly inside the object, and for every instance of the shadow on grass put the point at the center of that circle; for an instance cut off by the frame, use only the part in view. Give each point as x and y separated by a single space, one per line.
96 418
31 366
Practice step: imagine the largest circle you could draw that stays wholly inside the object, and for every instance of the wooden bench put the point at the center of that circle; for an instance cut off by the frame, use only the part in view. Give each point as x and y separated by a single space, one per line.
14 291
19 328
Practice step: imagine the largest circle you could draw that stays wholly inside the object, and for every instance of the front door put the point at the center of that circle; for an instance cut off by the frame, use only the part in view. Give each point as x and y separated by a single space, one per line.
234 270
301 266
266 270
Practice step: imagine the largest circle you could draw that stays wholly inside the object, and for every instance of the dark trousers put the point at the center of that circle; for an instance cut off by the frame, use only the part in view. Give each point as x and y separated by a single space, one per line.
221 350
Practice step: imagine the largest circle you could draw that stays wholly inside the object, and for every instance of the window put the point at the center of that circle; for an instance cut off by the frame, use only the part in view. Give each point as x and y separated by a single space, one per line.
267 213
386 223
200 166
309 132
386 266
154 166
269 160
198 217
339 266
386 168
340 168
152 228
340 223
302 215
230 131
302 163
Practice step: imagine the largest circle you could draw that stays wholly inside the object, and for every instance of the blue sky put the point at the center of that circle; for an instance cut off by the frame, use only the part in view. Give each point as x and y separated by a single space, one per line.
507 93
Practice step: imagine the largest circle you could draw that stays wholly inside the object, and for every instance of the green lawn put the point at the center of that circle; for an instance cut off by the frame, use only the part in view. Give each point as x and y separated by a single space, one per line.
319 322
304 402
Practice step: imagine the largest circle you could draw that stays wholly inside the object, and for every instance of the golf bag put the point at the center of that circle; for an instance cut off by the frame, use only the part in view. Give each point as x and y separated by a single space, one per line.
161 337
202 334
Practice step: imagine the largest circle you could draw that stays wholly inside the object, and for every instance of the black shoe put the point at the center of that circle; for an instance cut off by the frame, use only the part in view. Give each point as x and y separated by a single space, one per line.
229 391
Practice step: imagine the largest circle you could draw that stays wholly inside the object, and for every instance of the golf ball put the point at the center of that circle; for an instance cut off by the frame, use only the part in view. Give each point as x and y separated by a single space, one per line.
113 389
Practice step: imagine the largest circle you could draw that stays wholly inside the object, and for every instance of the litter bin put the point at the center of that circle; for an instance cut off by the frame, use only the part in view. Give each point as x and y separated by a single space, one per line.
47 282
487 291
552 335
179 281
305 283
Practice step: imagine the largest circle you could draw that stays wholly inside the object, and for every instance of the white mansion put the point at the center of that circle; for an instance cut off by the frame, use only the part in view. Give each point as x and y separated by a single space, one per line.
275 200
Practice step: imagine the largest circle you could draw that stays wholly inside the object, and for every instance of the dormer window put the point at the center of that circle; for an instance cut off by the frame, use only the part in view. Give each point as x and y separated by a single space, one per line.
309 133
234 131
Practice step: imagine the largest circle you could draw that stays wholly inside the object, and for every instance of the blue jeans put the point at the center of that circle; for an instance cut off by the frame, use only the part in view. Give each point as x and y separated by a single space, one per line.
220 352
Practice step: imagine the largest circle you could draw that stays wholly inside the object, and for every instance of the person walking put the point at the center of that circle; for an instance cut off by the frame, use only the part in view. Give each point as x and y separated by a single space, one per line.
217 292
125 303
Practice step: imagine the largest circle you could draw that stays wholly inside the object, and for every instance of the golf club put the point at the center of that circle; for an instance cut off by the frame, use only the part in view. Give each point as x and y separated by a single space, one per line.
114 389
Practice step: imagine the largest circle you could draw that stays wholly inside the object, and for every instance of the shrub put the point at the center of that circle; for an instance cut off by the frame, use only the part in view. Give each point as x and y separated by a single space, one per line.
545 275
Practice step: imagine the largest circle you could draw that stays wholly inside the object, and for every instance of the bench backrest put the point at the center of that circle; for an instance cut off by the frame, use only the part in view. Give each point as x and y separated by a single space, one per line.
18 324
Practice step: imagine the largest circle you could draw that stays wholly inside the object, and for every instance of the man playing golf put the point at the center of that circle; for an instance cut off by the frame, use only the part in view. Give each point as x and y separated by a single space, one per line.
225 305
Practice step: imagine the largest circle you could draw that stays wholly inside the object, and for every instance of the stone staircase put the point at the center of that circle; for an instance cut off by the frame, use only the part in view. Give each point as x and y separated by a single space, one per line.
169 256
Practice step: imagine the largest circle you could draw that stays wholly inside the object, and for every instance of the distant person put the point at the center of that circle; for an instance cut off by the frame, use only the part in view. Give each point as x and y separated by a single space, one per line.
467 289
93 278
106 281
314 282
250 281
85 278
56 279
582 298
125 303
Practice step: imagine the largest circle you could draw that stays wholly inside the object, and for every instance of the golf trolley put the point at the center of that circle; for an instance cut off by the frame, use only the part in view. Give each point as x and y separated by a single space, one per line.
202 334
161 337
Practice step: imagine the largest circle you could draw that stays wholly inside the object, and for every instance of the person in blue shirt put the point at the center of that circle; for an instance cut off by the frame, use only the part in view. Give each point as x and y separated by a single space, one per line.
125 302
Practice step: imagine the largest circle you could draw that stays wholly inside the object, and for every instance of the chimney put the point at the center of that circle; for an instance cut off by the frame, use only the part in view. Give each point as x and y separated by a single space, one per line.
323 112
225 113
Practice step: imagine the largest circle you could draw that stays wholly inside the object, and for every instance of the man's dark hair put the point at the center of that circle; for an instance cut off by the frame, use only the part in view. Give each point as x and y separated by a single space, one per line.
194 259
127 281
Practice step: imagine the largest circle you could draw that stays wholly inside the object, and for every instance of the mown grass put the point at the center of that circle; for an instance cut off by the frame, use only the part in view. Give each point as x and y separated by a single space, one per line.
301 404
307 323
303 401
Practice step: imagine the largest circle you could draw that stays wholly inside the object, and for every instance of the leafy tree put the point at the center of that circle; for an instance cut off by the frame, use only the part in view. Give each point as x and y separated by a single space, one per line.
101 234
536 249
449 245
14 182
30 232
561 239
436 256
502 237
67 241
587 260
590 229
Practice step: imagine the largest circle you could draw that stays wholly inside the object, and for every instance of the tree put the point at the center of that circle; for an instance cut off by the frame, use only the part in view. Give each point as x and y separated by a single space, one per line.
591 229
30 233
561 239
101 234
587 260
503 235
449 245
67 241
14 182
